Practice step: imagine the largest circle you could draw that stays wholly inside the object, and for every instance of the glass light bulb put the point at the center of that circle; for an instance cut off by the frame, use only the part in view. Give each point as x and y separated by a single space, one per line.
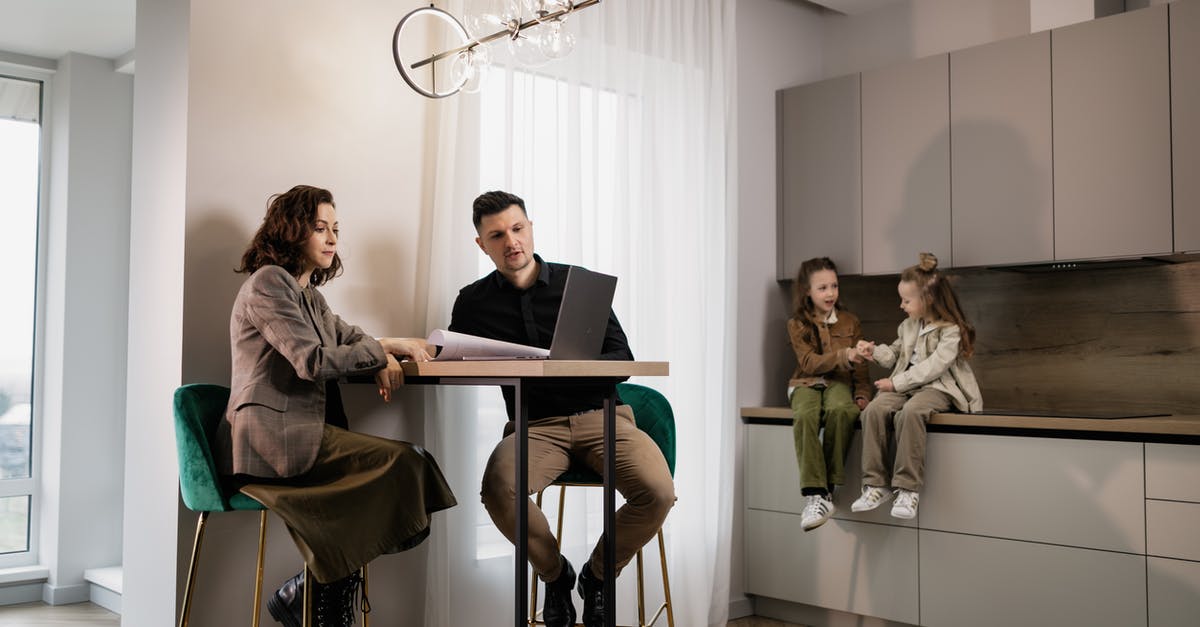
469 68
526 48
557 42
484 17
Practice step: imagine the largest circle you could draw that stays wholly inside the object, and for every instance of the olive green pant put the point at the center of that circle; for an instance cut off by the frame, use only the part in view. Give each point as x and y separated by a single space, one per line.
822 460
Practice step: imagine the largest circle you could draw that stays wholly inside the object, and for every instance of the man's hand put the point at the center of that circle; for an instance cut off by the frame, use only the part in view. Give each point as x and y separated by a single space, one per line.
885 385
389 378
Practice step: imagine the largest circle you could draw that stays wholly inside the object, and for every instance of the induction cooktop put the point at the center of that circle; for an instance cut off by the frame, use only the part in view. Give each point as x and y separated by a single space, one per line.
1069 414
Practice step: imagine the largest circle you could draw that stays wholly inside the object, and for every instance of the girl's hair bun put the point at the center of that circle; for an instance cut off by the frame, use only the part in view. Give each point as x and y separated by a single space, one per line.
928 262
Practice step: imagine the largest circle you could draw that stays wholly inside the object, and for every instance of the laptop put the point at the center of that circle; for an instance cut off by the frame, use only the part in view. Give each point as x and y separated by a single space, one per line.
583 315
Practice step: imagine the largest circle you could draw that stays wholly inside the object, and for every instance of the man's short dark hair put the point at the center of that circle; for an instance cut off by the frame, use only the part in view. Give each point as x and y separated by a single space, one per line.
489 203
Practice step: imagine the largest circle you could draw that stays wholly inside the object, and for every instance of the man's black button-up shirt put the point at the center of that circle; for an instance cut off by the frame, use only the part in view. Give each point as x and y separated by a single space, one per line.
492 307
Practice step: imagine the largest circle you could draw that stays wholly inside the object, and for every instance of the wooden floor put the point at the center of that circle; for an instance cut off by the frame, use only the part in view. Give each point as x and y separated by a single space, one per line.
79 614
42 615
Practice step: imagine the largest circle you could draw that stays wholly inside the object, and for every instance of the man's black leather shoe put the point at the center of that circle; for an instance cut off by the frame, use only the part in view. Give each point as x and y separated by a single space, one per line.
559 609
592 590
287 604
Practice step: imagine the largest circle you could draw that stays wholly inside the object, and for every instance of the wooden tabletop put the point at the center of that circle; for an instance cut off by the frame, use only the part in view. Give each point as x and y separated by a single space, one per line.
536 368
1176 425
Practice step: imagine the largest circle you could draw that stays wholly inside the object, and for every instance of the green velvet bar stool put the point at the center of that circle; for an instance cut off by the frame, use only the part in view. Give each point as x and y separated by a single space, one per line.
199 408
653 414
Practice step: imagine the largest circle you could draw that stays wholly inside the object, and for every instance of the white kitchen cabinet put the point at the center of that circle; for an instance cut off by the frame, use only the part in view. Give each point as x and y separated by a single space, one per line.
1173 590
1112 136
1173 472
989 582
1001 179
1185 122
820 178
850 566
906 164
1069 492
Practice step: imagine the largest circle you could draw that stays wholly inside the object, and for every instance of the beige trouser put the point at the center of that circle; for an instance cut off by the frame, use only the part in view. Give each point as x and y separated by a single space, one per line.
908 414
642 478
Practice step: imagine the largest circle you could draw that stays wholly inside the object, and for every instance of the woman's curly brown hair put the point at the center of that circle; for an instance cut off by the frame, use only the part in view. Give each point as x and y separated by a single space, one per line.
290 221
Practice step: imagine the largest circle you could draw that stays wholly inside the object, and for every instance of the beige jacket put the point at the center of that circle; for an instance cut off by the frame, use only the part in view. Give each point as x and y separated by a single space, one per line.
938 363
286 344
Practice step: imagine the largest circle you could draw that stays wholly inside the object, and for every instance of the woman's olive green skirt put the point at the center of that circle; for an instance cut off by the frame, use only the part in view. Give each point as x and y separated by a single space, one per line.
364 496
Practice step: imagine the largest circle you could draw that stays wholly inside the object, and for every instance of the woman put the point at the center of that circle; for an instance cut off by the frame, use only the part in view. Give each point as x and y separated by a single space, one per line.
346 497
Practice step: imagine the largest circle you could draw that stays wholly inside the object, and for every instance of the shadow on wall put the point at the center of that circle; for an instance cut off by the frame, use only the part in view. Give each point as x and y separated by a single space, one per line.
214 248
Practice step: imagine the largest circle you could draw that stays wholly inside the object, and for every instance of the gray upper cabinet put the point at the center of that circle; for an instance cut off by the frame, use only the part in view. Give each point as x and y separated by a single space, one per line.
906 164
1001 152
1185 122
820 180
1112 136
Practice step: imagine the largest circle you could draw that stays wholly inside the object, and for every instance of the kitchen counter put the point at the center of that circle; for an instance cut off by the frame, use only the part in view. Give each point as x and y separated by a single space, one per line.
1174 428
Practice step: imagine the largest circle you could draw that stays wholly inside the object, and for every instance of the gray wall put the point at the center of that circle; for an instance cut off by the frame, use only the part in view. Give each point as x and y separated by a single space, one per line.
288 93
778 45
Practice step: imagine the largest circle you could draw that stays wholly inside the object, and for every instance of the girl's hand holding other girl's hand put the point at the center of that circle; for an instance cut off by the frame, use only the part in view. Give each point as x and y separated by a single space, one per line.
865 349
389 378
885 385
861 402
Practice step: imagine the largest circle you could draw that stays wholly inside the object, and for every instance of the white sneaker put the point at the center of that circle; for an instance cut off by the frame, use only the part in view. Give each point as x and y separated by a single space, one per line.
871 498
906 504
817 509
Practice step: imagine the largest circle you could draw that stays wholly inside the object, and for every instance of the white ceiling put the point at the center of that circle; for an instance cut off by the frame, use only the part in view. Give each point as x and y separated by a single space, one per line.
105 28
52 28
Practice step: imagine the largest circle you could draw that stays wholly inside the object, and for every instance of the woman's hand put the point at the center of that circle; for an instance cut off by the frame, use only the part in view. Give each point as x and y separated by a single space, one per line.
389 378
410 348
885 385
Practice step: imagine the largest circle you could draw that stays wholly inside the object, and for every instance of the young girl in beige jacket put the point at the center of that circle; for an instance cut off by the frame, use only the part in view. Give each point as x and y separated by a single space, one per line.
930 374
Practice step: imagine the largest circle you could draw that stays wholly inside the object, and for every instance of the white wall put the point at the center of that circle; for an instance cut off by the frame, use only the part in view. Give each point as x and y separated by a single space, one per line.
778 45
287 93
155 312
83 418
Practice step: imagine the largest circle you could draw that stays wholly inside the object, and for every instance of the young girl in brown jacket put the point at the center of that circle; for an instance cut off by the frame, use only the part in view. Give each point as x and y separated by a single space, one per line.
829 387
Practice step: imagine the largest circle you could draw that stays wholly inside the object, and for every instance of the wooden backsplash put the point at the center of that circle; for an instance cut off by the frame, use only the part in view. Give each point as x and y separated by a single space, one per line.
1110 340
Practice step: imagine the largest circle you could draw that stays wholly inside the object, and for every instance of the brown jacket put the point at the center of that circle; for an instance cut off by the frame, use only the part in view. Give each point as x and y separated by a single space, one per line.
826 357
286 344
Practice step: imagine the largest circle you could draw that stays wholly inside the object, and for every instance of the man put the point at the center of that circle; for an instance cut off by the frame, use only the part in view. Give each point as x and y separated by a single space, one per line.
519 302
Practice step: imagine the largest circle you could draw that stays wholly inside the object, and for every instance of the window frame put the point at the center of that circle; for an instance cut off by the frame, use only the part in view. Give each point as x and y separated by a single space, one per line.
31 485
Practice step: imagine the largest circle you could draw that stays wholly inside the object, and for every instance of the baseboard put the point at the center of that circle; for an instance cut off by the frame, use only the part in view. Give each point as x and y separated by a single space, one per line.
65 595
105 598
20 593
741 608
106 586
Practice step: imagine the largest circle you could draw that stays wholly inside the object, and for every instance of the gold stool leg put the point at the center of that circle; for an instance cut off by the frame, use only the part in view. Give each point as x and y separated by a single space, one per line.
662 556
306 621
258 577
533 580
192 567
641 592
366 608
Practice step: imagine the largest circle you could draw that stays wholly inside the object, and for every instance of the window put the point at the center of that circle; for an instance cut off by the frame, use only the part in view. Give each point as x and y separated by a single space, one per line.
557 144
20 159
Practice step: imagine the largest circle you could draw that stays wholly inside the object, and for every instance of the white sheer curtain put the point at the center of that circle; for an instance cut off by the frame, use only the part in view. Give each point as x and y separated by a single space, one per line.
621 152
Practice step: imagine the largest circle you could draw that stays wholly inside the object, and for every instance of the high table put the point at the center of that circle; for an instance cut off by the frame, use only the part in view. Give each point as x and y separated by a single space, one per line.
520 374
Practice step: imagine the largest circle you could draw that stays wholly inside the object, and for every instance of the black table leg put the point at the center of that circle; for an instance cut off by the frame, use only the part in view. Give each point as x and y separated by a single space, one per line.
522 496
610 501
